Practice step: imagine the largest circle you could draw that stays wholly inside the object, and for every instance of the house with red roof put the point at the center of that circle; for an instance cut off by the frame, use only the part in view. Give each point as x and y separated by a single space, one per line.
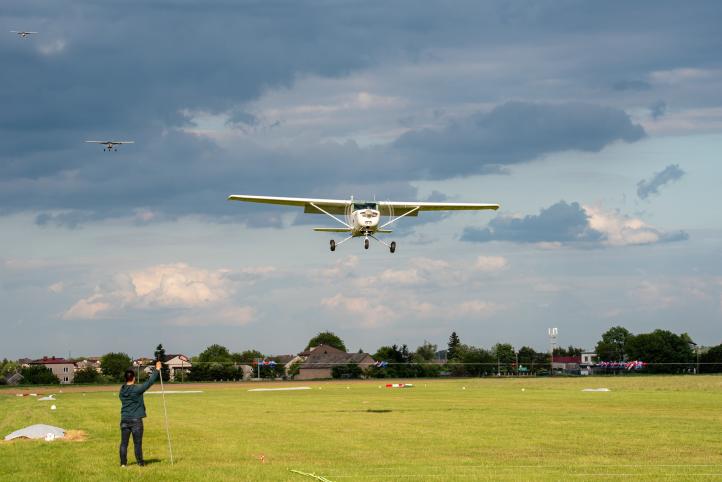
61 368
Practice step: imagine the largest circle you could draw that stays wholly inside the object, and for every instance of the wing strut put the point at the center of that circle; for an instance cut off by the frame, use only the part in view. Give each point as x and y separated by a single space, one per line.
329 214
396 219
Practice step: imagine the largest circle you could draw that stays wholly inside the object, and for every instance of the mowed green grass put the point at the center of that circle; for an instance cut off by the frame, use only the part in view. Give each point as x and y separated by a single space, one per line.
646 428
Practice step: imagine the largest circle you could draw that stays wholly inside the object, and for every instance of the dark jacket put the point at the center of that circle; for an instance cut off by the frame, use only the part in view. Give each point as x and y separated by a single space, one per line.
131 396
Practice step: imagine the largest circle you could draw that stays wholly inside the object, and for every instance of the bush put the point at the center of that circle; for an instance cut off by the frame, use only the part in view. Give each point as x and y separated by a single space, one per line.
39 375
88 375
114 365
350 370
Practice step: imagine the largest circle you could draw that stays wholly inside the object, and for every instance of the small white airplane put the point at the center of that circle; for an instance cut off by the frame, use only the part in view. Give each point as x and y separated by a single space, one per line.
110 145
363 219
22 33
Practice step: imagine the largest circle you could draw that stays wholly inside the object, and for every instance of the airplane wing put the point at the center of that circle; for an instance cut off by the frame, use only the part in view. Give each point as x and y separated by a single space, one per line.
97 142
122 142
333 230
400 208
332 206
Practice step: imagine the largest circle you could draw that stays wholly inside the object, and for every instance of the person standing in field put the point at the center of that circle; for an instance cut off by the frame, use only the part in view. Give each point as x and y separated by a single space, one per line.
132 413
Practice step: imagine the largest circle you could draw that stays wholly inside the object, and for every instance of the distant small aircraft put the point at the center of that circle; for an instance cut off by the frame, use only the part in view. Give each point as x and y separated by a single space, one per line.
363 219
23 34
110 145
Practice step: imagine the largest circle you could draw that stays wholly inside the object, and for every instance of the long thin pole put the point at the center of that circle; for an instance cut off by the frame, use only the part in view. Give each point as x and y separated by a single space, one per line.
165 412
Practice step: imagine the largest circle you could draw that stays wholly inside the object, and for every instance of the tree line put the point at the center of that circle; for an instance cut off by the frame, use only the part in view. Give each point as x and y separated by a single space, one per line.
663 352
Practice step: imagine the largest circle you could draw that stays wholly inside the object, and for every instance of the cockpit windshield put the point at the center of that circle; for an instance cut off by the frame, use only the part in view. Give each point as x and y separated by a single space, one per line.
357 206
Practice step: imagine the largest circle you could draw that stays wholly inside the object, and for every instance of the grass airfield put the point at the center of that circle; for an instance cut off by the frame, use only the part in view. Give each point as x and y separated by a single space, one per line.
646 428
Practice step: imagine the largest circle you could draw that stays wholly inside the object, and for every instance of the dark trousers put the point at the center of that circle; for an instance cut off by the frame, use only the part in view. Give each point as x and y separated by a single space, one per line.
127 427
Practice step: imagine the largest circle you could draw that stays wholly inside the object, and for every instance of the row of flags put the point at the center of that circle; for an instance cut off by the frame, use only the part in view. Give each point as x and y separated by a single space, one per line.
630 365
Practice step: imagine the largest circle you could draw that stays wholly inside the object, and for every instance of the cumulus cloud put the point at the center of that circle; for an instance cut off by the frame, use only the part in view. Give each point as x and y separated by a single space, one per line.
56 287
491 264
163 286
572 224
228 316
647 187
371 312
476 308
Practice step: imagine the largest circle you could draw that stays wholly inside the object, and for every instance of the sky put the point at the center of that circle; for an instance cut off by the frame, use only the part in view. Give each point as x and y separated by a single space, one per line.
597 126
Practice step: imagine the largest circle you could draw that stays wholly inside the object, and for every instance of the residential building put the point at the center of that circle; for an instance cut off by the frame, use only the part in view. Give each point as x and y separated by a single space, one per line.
178 366
319 360
587 363
88 362
61 368
566 364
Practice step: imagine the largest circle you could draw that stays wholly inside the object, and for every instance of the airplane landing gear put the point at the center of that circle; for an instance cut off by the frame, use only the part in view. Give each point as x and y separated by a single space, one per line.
366 243
333 245
392 246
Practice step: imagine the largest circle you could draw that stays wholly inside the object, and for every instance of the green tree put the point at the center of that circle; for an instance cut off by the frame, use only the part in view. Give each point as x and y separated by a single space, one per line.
454 343
527 356
426 352
114 365
711 360
215 353
471 361
8 367
326 338
665 351
39 375
613 345
294 370
246 357
573 351
505 357
87 375
160 356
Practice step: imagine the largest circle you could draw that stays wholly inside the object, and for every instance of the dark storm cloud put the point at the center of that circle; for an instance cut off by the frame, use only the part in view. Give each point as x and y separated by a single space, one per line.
516 132
647 187
135 70
570 224
560 222
623 85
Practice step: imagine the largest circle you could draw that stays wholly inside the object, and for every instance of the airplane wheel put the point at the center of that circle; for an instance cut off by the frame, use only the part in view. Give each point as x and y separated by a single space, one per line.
366 243
392 248
333 245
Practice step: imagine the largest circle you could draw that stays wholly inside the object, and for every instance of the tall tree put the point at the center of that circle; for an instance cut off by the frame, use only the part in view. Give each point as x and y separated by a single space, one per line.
426 352
454 343
665 351
613 345
505 356
247 356
711 360
160 356
215 353
114 365
326 338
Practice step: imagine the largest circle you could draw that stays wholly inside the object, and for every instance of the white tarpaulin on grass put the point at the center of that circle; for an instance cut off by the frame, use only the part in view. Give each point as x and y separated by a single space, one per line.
39 431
